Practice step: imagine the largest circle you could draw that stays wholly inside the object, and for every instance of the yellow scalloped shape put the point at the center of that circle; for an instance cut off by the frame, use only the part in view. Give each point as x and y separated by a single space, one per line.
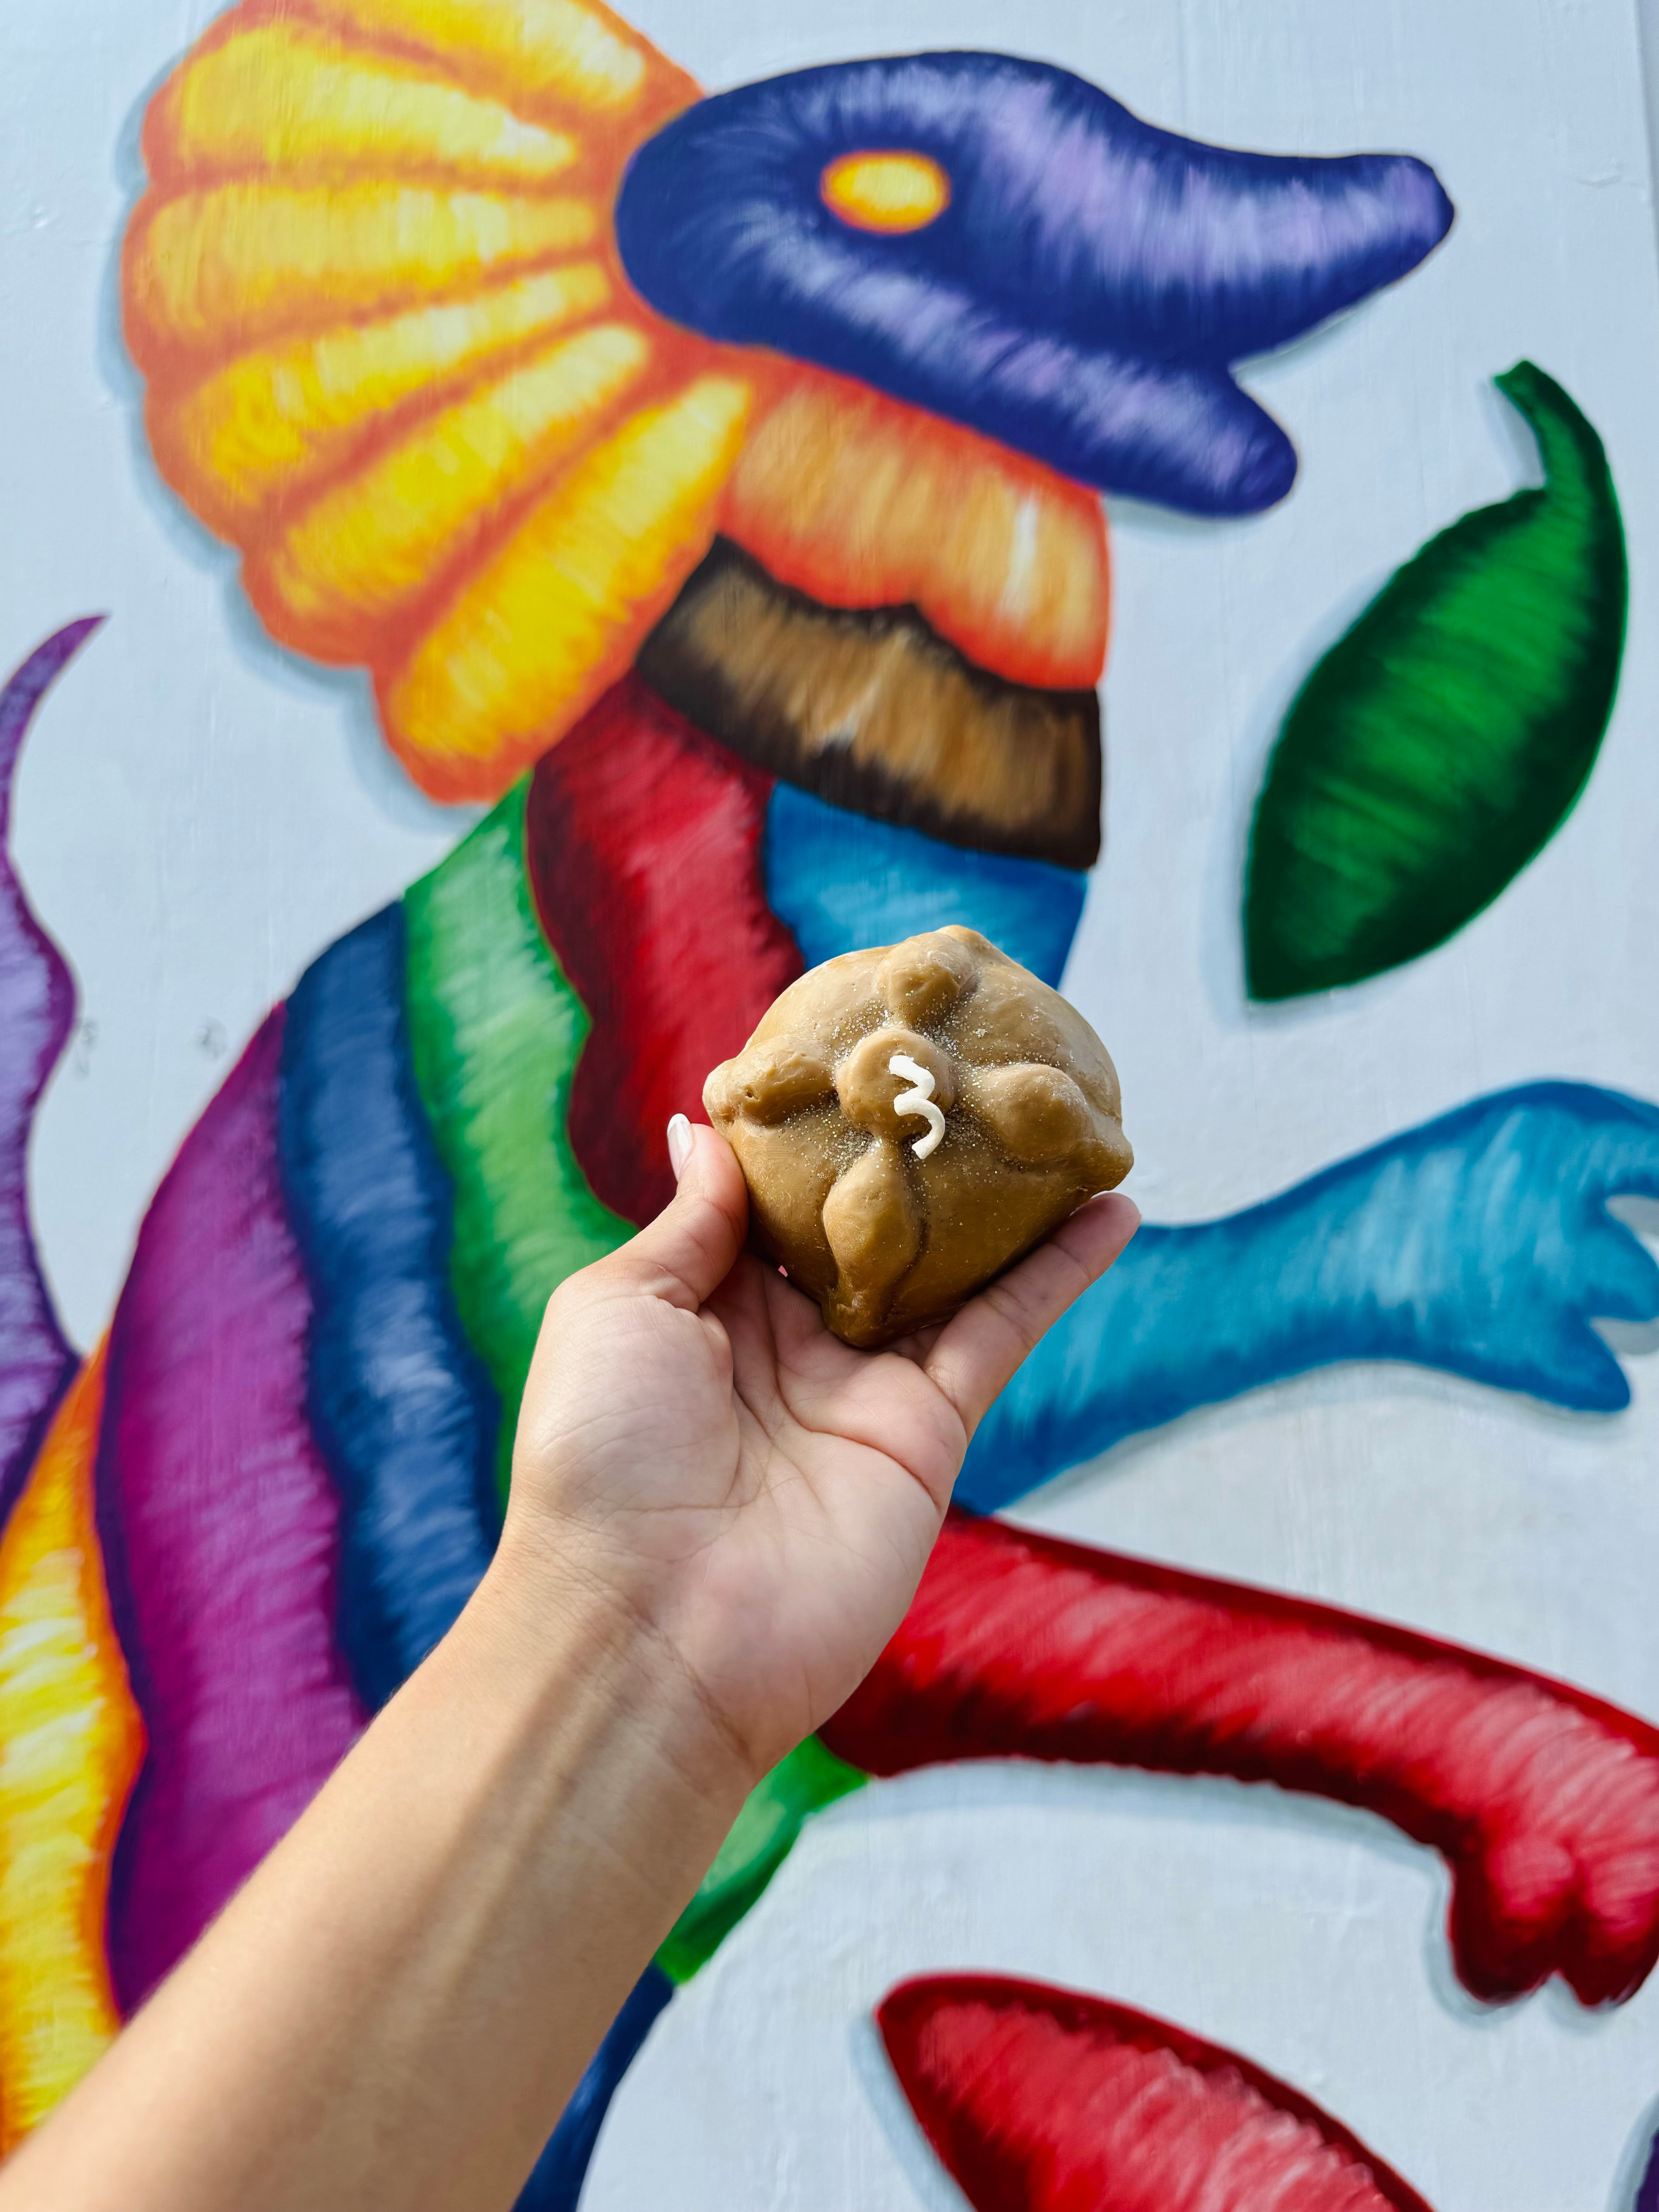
276 419
71 1745
251 261
534 637
367 307
367 547
284 97
567 52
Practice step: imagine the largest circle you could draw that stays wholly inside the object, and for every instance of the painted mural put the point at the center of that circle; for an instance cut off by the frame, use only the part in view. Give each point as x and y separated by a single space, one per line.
713 489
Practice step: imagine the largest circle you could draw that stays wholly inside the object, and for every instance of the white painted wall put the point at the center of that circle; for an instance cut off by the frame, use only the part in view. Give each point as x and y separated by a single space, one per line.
199 814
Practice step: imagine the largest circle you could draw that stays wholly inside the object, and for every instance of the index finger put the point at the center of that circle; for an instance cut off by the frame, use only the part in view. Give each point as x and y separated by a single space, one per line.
978 1350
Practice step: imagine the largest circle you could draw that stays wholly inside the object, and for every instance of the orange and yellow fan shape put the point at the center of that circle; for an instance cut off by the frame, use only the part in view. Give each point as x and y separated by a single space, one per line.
71 1742
393 357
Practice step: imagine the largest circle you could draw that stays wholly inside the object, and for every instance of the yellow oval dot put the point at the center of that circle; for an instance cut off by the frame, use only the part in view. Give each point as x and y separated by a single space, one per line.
885 192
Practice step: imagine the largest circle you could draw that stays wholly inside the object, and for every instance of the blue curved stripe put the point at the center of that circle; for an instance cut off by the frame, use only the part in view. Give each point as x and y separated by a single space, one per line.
556 2181
840 881
402 1409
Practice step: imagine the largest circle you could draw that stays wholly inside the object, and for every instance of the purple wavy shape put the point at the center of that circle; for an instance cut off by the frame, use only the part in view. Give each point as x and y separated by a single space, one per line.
1647 2194
220 1532
37 1005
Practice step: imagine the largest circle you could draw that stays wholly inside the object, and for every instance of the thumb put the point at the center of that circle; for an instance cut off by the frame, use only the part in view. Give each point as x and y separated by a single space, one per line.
694 1241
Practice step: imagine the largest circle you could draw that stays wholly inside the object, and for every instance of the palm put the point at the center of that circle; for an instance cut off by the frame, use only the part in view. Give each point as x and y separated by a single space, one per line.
765 1495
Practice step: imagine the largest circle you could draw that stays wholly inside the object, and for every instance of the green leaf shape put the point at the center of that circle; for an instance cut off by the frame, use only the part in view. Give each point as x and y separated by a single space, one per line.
495 1031
1440 744
762 1838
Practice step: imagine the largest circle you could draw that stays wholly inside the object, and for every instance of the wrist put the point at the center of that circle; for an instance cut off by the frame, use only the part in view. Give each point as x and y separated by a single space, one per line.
578 1662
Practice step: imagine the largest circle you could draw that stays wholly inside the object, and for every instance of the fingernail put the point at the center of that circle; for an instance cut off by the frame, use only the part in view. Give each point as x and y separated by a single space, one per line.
679 1145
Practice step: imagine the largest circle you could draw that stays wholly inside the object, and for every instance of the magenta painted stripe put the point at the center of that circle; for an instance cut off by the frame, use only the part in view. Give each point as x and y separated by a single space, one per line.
222 1531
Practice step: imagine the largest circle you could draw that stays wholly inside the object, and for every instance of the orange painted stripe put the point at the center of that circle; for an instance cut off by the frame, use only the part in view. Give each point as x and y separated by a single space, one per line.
71 1745
861 501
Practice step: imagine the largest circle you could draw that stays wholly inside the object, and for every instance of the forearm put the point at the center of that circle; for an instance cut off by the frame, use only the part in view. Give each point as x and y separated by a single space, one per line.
397 2006
718 1514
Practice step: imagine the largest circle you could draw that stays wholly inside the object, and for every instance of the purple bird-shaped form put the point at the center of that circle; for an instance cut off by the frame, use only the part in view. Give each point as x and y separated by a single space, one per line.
1081 295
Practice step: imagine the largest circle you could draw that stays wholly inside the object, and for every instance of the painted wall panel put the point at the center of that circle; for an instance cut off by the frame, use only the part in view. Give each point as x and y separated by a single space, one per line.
200 814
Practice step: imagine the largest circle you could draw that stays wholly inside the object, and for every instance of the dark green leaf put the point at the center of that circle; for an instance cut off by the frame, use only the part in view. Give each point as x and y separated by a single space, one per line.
1442 742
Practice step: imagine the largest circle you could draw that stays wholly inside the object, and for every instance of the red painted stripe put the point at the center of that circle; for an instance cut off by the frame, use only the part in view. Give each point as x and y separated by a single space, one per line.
1543 1802
1041 2099
644 844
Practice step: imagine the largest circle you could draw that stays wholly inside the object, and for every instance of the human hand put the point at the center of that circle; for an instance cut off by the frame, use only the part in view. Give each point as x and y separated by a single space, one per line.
696 1450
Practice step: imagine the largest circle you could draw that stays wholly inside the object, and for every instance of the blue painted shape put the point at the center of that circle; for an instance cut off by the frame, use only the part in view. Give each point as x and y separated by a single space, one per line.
1480 1244
37 1005
840 881
555 2182
1081 298
404 1414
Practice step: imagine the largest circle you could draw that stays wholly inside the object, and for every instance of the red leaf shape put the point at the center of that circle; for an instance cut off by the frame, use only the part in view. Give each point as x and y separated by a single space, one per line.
1041 2099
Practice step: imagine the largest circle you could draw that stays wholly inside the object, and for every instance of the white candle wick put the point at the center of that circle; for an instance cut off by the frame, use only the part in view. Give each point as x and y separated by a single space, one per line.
919 1100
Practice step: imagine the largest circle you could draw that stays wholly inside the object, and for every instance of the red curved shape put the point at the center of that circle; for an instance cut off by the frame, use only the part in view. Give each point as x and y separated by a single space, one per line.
644 844
1041 2099
1543 1802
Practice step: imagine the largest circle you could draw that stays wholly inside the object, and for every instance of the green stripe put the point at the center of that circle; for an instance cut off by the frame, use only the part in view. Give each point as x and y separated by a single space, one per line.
762 1838
496 1031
